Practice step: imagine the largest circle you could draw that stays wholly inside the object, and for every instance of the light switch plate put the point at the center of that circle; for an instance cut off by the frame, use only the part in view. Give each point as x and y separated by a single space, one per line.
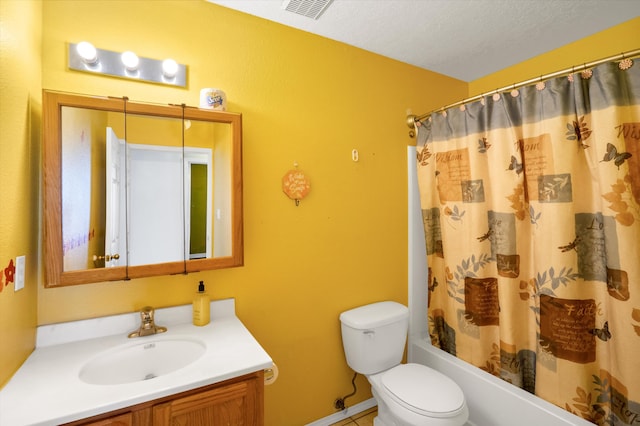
19 277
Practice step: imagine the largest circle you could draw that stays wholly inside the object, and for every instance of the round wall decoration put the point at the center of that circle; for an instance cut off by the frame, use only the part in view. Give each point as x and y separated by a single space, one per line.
296 185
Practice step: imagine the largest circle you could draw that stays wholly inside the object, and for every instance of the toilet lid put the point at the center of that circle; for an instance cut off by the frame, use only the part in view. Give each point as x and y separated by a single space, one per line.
424 390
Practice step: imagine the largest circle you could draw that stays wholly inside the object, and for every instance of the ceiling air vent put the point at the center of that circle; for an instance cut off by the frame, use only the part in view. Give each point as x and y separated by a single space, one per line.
309 8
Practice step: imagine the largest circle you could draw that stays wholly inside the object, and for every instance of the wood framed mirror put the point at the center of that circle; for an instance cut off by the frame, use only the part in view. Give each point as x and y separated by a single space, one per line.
134 189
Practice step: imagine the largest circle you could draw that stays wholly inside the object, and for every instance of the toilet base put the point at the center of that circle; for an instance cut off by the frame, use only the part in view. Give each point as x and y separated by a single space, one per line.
378 422
386 418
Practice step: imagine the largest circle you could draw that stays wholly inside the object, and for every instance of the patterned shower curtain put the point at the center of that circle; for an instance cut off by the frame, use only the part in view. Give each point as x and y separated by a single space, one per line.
531 209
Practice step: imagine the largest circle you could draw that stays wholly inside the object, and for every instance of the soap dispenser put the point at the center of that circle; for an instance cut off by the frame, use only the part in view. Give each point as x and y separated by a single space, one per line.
201 306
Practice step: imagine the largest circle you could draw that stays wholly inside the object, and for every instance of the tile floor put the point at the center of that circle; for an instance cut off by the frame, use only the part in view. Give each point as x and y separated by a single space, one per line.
364 418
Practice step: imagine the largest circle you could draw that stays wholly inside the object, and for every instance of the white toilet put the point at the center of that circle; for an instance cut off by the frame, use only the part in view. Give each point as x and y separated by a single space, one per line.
374 337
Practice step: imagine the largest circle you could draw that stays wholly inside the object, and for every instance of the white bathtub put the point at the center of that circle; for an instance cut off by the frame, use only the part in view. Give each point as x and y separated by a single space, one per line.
492 401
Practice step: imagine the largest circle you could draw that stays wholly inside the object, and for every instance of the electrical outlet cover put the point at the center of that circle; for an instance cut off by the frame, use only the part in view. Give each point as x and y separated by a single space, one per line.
19 277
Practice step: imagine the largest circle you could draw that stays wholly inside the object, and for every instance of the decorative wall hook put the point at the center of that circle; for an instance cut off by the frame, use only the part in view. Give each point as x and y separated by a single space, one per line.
296 184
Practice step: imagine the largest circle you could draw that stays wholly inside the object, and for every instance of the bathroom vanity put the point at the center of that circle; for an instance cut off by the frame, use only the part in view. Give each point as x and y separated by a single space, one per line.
232 402
90 373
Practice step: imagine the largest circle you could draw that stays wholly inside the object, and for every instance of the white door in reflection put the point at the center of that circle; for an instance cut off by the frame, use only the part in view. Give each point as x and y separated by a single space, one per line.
158 203
115 230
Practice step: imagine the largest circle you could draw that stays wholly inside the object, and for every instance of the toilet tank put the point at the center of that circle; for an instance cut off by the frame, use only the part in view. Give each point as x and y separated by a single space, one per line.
374 336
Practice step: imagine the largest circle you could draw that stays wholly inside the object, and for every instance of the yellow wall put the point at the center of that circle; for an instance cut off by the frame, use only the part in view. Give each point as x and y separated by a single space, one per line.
304 99
615 40
20 111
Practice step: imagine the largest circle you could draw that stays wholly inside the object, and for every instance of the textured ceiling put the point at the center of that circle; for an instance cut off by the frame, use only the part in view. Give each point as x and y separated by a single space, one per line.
464 39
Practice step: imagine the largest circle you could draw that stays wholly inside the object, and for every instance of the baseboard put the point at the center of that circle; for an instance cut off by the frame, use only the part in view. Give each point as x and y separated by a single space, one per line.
344 414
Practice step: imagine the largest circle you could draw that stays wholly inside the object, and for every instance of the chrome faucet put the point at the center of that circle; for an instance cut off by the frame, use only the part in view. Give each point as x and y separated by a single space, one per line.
147 325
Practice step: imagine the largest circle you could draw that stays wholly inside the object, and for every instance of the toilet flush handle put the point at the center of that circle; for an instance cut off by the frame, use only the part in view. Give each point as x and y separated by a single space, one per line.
369 333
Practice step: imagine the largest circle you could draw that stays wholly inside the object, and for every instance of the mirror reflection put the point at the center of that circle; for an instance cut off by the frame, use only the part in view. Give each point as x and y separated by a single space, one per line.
83 181
211 161
155 190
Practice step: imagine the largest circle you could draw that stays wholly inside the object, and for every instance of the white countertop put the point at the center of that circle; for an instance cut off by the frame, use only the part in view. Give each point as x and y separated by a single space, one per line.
46 390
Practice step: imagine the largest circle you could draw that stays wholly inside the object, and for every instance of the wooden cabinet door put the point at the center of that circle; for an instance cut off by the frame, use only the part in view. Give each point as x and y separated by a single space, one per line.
235 404
121 420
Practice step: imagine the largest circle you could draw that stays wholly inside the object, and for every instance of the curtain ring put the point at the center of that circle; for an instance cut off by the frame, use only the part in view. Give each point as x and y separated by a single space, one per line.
514 91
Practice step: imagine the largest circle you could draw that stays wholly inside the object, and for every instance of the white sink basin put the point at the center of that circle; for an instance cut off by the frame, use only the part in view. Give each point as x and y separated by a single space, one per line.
145 360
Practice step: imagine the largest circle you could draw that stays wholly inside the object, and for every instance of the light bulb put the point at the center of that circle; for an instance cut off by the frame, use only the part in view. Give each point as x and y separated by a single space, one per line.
87 52
169 68
130 60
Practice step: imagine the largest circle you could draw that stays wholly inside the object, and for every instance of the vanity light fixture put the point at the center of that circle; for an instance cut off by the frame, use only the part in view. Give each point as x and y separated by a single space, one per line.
130 60
169 68
85 57
87 52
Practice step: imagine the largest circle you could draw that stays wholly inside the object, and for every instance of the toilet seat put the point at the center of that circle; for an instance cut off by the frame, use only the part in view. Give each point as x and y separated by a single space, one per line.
423 391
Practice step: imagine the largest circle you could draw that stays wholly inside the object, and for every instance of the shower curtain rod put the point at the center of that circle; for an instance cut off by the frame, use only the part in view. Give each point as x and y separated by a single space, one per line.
412 119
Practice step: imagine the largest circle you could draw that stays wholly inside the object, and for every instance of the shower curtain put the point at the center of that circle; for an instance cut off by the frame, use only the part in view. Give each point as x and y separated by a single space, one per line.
531 210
